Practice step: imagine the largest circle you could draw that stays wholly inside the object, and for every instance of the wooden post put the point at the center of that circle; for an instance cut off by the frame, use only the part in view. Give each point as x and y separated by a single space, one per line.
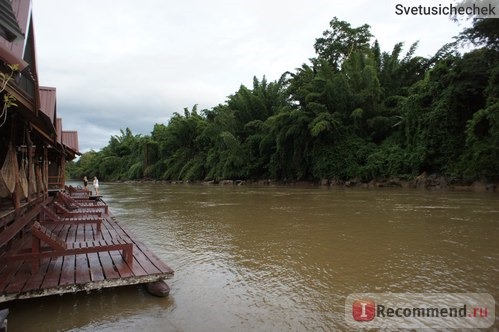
31 192
16 195
63 172
45 171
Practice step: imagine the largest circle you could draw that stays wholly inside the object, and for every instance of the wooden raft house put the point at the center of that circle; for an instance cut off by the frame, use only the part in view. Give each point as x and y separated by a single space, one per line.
54 239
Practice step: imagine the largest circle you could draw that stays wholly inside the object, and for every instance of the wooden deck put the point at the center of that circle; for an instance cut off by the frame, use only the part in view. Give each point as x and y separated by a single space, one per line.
81 272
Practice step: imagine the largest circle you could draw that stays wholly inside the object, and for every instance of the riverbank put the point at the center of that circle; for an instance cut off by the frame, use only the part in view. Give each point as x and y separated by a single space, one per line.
422 181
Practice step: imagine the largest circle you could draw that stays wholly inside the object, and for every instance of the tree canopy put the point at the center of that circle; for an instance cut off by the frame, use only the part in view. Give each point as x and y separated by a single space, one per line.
353 111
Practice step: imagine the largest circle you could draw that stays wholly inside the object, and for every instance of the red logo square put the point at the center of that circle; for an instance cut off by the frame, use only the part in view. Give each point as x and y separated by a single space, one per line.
363 310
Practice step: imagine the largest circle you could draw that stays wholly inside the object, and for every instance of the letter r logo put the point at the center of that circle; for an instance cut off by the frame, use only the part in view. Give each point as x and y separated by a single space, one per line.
363 310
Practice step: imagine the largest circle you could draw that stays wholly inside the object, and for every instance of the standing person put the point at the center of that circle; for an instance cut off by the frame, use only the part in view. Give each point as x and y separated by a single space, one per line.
96 185
85 183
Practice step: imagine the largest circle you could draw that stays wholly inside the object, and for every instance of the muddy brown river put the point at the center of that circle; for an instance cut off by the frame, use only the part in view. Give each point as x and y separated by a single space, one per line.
281 258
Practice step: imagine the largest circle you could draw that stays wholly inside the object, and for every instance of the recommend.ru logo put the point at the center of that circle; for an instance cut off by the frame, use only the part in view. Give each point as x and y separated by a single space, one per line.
420 310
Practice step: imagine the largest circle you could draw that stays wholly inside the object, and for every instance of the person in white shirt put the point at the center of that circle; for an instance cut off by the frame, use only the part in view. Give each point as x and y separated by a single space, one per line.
96 185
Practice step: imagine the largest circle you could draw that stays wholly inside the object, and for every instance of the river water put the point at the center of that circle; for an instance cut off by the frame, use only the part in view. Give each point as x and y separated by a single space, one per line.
281 258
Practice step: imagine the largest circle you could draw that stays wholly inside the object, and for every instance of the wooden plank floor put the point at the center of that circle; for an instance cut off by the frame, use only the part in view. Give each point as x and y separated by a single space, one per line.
83 272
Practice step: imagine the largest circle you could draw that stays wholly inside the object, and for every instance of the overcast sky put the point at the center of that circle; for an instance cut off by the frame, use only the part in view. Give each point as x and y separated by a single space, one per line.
130 63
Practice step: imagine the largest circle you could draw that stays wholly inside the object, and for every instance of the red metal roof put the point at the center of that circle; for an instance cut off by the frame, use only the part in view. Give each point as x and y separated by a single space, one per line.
9 28
48 102
70 140
12 52
22 11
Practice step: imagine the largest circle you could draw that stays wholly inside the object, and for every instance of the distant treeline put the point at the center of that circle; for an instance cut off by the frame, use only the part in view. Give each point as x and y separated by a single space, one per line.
352 111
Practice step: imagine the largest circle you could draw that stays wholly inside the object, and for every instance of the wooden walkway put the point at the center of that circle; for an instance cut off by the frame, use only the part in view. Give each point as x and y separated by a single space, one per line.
81 272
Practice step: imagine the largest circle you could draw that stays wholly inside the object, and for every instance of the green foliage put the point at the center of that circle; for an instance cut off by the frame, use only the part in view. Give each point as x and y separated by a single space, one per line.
343 160
388 160
352 112
484 32
337 44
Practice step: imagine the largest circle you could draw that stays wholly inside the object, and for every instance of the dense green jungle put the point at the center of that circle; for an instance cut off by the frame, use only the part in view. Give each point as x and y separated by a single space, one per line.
352 111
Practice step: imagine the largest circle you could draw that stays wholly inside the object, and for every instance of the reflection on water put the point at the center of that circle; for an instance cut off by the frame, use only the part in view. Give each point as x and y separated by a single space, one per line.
280 258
